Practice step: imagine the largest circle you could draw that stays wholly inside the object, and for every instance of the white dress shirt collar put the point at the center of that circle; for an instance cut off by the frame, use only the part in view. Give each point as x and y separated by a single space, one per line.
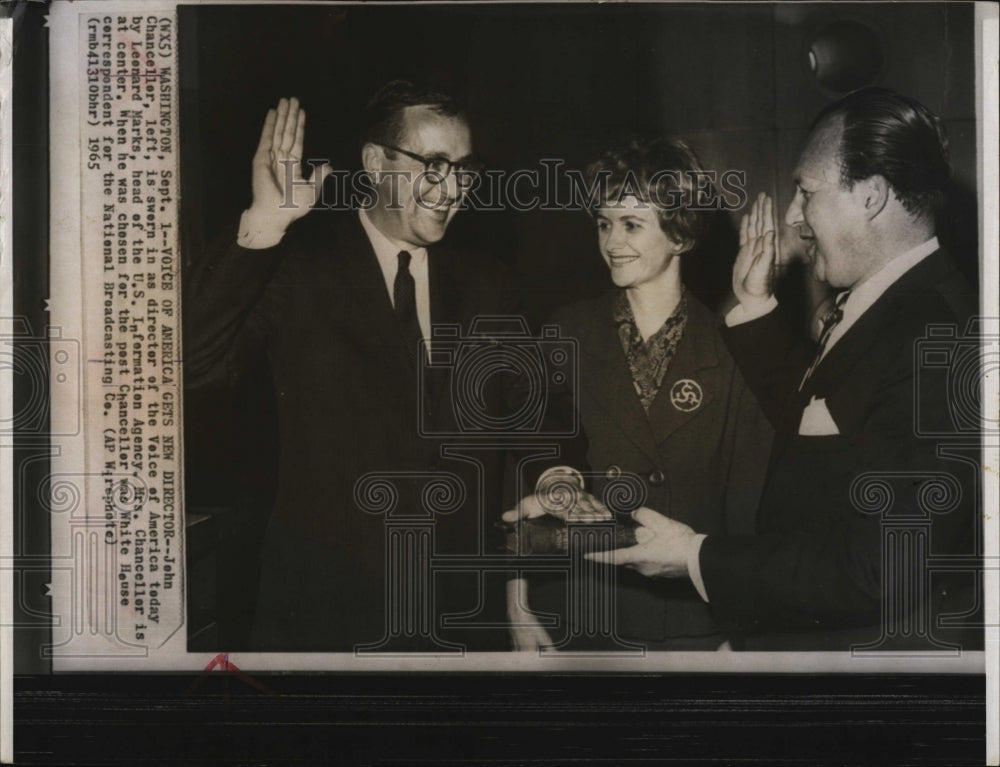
864 295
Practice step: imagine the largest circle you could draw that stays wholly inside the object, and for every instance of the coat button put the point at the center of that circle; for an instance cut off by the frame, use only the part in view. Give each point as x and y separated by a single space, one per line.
656 478
613 472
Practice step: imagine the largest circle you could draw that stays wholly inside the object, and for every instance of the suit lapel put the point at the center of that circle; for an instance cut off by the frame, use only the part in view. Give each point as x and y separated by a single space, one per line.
831 373
366 283
444 294
851 347
445 298
692 378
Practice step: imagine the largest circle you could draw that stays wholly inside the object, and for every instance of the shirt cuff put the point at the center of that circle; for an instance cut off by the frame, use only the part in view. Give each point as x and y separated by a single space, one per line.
742 313
257 233
564 473
694 566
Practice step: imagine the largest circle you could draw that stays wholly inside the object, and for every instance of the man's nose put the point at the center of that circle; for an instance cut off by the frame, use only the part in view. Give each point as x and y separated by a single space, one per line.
793 216
450 189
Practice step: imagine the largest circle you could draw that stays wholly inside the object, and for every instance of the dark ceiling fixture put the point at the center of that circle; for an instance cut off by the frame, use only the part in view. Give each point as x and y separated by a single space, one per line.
846 55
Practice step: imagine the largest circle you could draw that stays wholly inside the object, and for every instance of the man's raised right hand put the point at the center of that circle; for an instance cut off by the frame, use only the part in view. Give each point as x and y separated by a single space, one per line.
753 272
281 195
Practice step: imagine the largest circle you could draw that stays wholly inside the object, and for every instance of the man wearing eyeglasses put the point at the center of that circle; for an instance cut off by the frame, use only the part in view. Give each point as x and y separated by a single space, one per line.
340 304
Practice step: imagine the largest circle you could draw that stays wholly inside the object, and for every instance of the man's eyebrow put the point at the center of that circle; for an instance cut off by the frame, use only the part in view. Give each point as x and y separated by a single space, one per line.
816 180
445 156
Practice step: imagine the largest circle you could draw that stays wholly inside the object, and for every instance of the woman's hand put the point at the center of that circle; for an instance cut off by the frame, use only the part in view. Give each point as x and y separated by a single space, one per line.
560 494
526 632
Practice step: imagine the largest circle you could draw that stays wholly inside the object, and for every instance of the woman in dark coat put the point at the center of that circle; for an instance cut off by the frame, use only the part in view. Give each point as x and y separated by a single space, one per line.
661 402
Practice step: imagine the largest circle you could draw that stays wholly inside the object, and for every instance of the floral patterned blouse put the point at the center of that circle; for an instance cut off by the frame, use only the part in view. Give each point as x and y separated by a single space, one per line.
648 361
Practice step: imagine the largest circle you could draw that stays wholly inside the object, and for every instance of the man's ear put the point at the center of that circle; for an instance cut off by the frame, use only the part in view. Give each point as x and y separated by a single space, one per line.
371 158
875 193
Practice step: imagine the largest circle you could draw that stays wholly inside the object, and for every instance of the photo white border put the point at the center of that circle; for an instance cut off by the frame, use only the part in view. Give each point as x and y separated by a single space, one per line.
987 132
6 396
66 309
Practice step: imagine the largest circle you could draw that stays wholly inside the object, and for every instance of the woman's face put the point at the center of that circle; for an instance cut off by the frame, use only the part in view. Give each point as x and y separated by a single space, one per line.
632 243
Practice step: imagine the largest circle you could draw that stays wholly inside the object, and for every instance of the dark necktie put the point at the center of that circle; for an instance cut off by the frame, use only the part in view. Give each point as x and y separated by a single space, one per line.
830 320
404 298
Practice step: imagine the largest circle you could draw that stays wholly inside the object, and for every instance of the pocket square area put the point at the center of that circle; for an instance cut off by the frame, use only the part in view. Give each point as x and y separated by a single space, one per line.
816 420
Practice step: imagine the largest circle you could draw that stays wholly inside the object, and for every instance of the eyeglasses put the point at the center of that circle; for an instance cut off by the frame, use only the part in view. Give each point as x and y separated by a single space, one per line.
437 169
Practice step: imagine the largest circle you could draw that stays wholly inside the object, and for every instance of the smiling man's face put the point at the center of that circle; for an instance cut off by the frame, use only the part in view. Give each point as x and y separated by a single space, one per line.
412 209
829 215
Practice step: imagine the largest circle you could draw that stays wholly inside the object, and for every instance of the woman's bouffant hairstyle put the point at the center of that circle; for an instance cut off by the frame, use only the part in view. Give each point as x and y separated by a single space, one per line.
664 173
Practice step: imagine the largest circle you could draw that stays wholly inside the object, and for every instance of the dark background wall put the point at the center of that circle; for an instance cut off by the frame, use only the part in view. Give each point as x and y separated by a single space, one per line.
551 81
542 81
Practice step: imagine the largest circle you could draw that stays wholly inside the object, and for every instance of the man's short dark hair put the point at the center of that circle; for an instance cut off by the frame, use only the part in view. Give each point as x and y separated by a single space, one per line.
383 119
663 172
896 137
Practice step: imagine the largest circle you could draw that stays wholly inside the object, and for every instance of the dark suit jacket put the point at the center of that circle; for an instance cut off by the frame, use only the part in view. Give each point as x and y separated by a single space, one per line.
814 576
704 466
348 404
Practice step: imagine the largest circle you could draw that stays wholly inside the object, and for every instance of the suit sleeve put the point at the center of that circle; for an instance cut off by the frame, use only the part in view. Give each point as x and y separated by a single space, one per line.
750 436
771 357
232 301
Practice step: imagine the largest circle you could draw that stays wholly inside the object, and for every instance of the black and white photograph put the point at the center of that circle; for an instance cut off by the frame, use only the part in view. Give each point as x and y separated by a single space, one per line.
506 353
448 296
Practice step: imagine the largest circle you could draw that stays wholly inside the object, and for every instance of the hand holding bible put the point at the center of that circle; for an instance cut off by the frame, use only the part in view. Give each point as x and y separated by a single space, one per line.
541 522
661 550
